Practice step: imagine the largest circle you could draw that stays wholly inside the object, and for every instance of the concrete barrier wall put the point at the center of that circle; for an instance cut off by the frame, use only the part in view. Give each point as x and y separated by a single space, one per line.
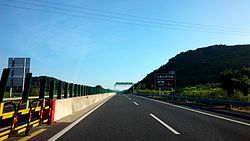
68 106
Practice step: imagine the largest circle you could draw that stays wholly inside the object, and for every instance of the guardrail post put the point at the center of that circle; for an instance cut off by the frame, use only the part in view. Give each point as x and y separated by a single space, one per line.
52 89
27 87
80 86
82 90
66 87
59 89
52 102
3 82
75 90
71 90
79 90
43 87
87 90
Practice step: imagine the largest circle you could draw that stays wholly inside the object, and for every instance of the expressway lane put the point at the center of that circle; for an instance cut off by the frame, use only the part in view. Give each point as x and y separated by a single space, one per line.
119 119
196 126
127 117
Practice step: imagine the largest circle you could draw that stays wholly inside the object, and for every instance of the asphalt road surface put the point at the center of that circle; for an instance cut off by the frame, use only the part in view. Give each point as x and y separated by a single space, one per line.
132 118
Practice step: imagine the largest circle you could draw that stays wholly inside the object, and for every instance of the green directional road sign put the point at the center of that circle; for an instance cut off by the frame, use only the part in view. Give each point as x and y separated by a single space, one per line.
124 83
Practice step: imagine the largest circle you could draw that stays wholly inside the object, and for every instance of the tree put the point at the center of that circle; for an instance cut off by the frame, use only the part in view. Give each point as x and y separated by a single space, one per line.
237 80
228 81
244 81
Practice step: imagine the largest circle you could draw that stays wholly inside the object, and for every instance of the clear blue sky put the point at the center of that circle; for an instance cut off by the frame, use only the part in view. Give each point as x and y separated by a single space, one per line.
96 49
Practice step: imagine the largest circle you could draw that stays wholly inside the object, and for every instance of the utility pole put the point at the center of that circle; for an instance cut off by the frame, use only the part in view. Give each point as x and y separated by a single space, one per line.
24 73
11 83
11 78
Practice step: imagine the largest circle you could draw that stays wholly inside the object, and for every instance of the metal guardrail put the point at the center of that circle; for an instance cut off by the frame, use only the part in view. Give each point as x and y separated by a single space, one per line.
200 100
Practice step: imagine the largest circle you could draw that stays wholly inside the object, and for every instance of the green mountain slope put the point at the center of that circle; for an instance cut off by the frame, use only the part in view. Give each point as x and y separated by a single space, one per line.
202 65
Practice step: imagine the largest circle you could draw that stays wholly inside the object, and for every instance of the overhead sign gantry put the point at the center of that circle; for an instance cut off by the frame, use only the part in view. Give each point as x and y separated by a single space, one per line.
124 84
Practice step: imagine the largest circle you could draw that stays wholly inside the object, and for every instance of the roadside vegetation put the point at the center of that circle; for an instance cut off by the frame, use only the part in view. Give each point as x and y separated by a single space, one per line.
234 85
213 91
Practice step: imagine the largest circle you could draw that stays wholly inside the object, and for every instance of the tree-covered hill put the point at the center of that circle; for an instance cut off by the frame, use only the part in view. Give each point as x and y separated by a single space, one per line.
202 65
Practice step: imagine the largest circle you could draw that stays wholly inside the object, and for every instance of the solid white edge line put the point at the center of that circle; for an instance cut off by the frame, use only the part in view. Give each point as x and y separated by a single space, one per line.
136 103
66 129
164 124
200 112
